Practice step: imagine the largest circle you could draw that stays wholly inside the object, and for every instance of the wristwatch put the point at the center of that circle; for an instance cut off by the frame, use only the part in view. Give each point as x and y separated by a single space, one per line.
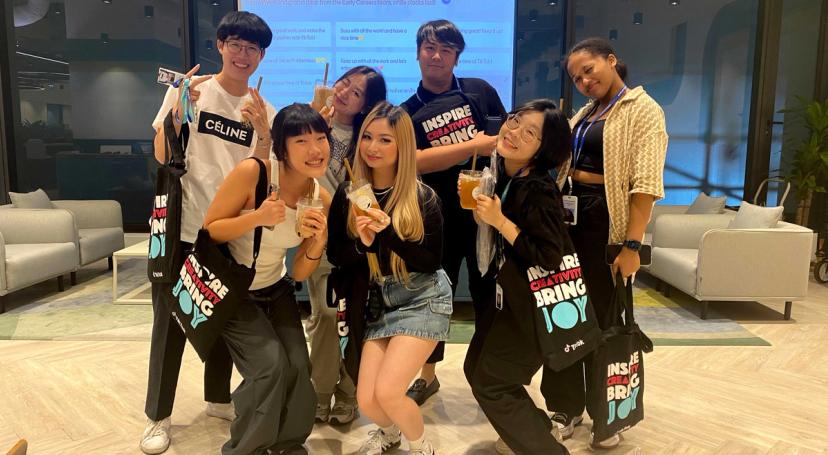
634 245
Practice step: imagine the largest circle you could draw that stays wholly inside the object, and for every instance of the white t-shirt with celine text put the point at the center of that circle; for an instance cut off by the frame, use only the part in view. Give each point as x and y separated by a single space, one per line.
217 143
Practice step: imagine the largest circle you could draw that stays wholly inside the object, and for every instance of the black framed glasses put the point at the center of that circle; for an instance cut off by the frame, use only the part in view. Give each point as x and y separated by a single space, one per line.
237 47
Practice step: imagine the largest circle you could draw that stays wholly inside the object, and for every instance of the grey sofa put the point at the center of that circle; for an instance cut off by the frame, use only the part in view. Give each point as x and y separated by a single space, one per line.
100 229
700 256
35 245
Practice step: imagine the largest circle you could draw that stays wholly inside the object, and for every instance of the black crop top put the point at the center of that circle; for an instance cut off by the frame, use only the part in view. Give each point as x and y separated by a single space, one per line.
592 155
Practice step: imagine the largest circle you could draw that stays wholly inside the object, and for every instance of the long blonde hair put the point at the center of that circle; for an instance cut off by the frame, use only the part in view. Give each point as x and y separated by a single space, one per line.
402 205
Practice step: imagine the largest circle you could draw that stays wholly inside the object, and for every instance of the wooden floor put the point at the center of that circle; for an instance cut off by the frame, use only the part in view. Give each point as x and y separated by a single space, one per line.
78 397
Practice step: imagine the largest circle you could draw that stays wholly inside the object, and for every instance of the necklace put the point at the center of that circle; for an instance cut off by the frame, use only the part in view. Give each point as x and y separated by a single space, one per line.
383 192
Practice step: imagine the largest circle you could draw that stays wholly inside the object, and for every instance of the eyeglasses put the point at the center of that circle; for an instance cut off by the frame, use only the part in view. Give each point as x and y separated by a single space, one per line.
236 47
526 134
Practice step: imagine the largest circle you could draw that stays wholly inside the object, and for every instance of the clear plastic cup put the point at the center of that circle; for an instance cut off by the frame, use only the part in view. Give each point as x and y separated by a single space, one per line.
302 207
322 96
362 197
469 188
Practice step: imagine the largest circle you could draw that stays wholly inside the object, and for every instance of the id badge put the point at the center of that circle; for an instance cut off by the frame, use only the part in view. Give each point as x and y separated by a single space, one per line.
168 77
570 204
498 297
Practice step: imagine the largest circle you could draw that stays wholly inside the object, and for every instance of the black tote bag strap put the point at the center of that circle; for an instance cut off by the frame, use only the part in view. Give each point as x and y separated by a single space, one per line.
261 195
624 297
177 143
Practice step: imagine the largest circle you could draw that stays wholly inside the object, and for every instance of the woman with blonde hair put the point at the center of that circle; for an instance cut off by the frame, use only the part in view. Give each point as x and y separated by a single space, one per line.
397 248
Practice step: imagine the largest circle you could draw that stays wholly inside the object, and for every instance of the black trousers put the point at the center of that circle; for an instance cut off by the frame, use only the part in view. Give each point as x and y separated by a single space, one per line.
460 242
275 402
167 346
565 391
499 362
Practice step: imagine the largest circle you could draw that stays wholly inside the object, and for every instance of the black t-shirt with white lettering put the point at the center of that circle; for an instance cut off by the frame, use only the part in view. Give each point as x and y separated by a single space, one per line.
452 117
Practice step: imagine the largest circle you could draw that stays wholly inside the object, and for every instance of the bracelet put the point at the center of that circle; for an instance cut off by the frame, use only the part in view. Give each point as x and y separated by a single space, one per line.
314 259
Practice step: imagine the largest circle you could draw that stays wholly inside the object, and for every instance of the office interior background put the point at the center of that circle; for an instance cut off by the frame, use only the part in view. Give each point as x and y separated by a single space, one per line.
79 91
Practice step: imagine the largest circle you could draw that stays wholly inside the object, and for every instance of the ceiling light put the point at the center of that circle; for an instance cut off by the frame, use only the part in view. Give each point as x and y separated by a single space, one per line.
613 35
675 2
553 2
215 3
208 44
149 11
107 1
638 18
105 38
533 15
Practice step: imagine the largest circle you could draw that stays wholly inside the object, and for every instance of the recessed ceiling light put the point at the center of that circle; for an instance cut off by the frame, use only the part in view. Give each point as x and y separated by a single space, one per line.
533 15
107 1
149 11
105 38
638 18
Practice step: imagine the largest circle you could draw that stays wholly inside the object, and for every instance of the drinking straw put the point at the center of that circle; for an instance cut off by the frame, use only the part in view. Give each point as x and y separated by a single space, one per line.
259 84
474 160
325 77
349 170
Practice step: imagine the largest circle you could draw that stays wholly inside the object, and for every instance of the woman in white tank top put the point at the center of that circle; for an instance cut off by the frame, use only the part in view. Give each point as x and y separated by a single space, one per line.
301 149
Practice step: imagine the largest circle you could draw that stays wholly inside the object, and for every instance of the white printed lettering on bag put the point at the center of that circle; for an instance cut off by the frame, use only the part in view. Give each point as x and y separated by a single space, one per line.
342 327
561 296
197 296
158 227
622 388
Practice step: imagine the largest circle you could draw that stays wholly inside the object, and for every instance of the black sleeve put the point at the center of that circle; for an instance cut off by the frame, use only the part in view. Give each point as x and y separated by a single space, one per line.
425 255
543 234
342 249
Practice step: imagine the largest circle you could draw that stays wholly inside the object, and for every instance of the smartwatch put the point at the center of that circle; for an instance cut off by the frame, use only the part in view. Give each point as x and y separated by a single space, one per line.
634 245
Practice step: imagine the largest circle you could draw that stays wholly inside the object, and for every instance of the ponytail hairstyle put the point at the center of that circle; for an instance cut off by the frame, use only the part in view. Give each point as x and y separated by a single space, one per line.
402 205
602 47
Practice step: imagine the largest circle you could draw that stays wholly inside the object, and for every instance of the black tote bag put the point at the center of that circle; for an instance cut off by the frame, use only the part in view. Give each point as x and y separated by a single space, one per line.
564 319
211 284
615 392
165 251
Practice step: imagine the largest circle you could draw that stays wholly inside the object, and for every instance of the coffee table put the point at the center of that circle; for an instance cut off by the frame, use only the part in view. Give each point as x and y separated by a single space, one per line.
139 250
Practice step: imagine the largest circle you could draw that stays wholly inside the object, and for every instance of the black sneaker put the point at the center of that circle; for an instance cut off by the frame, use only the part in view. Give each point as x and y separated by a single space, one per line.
419 391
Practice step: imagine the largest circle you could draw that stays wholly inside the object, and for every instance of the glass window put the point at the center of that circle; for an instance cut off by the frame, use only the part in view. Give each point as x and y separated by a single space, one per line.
794 85
85 77
695 58
539 49
209 14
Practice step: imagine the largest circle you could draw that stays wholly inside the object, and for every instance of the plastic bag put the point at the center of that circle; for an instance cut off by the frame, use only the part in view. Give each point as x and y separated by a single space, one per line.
485 232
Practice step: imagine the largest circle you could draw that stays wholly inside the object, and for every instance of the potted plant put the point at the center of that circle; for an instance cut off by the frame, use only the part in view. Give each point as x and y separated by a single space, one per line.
808 170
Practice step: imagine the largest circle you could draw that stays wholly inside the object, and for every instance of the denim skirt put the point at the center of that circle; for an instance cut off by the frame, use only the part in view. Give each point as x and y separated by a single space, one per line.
422 308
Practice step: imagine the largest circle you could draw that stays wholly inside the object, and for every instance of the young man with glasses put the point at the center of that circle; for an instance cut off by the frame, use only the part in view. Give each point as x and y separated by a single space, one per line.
230 123
449 116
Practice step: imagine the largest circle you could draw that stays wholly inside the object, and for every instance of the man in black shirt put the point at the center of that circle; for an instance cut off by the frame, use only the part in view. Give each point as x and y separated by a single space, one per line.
449 116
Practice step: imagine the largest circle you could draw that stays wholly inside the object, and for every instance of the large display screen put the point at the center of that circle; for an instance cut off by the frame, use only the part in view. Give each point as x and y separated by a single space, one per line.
381 34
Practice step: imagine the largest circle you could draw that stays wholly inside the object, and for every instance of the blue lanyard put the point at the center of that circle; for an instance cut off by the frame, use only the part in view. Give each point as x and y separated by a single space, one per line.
509 183
580 137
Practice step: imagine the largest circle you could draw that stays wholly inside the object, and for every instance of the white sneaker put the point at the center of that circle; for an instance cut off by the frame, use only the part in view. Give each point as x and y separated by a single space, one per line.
156 437
503 449
565 428
224 411
609 443
379 442
426 449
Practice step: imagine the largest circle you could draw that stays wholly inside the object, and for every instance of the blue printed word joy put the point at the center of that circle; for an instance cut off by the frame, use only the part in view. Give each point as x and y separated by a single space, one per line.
196 296
158 228
622 388
560 296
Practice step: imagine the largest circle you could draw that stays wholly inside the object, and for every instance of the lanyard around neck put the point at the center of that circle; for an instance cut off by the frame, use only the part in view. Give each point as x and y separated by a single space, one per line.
581 132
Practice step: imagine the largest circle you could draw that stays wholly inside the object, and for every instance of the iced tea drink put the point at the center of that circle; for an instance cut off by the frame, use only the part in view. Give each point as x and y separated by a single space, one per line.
469 188
362 197
302 207
322 96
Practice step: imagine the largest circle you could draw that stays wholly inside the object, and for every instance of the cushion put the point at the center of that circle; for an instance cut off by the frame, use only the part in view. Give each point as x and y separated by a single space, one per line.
752 216
37 199
704 205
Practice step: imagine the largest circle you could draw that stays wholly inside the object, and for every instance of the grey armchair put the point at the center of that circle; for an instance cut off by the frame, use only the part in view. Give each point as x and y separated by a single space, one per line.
100 229
35 245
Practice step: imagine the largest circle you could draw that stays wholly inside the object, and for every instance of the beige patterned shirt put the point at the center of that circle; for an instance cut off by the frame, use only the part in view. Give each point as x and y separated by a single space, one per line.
635 147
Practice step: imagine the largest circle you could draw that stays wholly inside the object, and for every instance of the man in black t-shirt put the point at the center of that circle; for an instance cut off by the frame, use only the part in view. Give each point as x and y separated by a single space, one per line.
449 116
